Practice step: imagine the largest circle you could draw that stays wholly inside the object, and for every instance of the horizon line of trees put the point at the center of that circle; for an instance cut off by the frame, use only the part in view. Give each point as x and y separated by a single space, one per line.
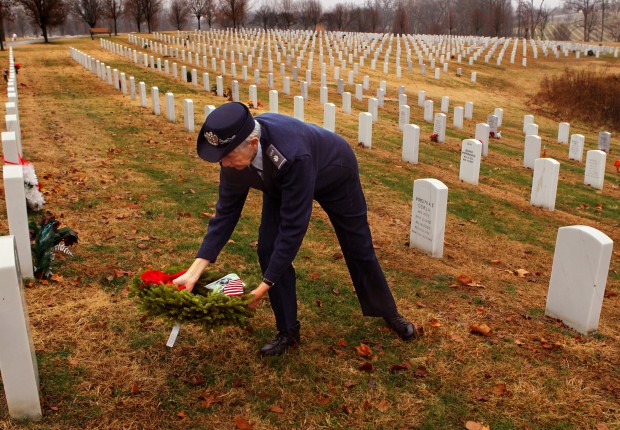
451 17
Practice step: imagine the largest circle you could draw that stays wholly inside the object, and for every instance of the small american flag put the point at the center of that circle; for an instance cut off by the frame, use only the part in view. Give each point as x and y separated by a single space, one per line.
233 288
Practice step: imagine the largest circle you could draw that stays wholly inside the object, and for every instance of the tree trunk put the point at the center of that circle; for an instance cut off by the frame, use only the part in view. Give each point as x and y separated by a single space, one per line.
2 35
115 27
44 31
198 17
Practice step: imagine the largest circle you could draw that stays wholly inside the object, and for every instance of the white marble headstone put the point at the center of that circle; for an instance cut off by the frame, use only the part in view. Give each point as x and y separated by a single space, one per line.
575 149
365 129
439 127
403 116
329 116
471 151
531 151
563 132
411 143
469 110
445 104
595 168
18 362
545 183
493 123
531 129
428 216
527 119
273 101
428 110
482 134
578 277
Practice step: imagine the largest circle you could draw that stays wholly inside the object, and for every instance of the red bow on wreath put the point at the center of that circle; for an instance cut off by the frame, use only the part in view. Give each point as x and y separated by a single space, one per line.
159 277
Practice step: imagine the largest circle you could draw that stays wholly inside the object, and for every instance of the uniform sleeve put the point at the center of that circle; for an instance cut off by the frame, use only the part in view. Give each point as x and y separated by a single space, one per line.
227 212
297 196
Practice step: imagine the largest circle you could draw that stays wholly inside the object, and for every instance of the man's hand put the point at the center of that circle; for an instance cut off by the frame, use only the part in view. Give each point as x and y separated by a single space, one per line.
258 293
192 275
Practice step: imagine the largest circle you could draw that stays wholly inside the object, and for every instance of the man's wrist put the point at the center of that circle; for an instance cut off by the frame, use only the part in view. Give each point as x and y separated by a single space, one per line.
268 282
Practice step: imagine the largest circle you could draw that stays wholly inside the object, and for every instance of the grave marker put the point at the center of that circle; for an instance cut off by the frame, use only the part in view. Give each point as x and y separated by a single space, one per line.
575 149
469 110
273 101
428 216
563 132
439 127
595 168
18 362
545 183
364 135
403 116
155 100
428 110
458 117
329 117
531 151
471 151
531 129
482 134
578 277
604 141
411 143
170 115
445 104
298 108
188 115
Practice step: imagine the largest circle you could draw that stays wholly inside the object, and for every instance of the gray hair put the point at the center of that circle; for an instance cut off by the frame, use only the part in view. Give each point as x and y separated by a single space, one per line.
255 133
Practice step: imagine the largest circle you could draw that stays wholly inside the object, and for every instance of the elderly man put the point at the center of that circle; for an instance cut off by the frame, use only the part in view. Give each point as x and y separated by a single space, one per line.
293 163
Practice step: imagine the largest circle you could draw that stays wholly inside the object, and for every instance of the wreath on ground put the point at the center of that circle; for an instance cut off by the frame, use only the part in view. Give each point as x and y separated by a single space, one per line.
157 296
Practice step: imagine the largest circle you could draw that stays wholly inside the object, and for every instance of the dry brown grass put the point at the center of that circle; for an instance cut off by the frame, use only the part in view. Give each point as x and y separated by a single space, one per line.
120 176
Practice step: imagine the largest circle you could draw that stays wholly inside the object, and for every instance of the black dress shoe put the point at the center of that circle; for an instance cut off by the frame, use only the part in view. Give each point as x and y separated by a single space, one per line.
281 343
401 326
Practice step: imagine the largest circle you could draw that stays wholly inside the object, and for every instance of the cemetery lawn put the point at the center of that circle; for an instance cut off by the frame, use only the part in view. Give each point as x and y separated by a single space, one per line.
132 186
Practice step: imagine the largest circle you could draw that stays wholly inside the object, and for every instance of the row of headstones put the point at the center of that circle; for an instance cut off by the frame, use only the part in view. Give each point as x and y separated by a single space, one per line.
594 175
580 263
18 364
373 103
119 81
165 49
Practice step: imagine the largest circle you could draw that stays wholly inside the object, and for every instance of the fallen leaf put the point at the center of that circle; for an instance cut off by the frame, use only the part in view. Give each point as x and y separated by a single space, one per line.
366 367
400 366
56 277
73 362
464 279
383 405
347 409
481 329
364 350
134 389
254 244
337 255
420 304
601 426
456 338
336 291
499 389
208 399
434 322
496 261
319 303
350 384
181 414
421 372
480 397
366 405
243 424
472 425
277 409
521 273
322 400
314 275
342 342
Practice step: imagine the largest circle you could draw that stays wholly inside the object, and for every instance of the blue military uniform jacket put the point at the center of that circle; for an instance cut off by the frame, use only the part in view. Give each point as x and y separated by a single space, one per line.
301 162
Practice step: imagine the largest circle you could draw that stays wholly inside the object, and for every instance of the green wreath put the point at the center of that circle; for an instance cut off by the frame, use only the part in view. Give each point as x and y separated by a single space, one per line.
202 306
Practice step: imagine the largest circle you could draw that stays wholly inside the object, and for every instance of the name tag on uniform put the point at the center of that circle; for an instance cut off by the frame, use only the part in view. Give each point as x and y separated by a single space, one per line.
276 156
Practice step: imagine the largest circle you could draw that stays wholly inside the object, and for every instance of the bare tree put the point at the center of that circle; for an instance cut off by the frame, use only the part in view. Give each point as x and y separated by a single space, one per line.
197 8
501 11
44 13
233 12
88 11
401 21
341 14
178 12
150 8
133 8
209 12
587 8
265 15
6 13
113 9
309 13
286 13
371 14
545 16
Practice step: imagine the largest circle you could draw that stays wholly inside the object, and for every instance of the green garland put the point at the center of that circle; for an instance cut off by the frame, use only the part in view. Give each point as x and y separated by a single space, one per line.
202 307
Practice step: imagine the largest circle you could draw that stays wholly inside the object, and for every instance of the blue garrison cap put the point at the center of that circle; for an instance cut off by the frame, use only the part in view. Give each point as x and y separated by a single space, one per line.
224 129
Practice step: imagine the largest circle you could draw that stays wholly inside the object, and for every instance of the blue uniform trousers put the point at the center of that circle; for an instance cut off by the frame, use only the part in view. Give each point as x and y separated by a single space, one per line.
345 205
